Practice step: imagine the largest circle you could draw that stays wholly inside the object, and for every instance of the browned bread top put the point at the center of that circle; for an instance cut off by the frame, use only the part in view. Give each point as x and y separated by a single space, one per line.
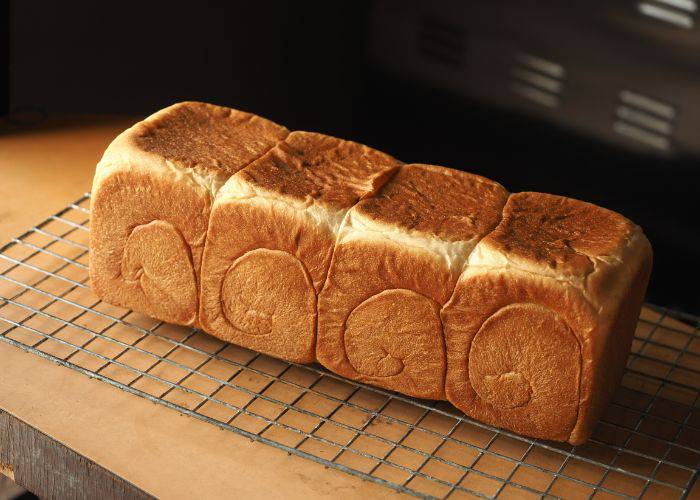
315 167
207 137
562 234
429 199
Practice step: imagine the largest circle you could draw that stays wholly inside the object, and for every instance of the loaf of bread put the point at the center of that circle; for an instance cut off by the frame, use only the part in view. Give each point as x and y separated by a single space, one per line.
519 309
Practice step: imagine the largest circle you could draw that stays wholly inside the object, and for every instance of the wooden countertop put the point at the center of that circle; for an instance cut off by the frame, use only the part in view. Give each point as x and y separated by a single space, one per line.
43 168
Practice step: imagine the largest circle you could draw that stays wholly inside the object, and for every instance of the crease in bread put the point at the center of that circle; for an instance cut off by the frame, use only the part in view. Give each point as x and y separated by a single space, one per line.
396 260
271 236
519 309
454 253
550 293
152 193
239 189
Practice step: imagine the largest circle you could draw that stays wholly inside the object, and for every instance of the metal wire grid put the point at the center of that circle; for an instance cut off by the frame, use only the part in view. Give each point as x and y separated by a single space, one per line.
647 444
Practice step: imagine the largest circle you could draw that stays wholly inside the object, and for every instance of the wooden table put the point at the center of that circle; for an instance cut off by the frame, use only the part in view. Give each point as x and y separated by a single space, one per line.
64 435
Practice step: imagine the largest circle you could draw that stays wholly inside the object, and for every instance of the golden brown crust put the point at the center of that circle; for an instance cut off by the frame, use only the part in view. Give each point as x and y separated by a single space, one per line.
559 233
239 282
531 326
617 325
510 369
549 252
309 166
253 212
207 137
391 282
257 303
437 201
152 194
149 254
408 352
123 211
393 269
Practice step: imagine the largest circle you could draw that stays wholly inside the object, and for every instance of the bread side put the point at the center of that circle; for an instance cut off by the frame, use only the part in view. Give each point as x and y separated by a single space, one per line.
542 294
151 196
396 260
271 237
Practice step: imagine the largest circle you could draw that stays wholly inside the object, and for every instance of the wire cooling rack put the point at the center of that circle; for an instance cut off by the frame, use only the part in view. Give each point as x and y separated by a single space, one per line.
647 444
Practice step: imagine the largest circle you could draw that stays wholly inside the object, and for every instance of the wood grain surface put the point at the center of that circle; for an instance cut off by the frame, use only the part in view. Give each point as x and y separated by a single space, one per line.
49 469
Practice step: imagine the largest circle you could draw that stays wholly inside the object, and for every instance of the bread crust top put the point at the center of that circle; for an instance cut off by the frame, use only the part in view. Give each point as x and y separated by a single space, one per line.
559 233
207 137
318 169
437 201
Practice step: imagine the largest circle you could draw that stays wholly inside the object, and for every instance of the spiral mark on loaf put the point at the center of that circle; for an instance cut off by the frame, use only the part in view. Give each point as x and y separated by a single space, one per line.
266 291
394 333
525 353
157 258
508 390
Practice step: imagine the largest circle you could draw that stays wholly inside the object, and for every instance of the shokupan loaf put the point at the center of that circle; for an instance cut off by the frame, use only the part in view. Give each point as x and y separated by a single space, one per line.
517 308
271 237
151 197
395 264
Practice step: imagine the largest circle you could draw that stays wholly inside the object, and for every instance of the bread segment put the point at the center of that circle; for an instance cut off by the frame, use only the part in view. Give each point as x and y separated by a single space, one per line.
541 320
395 264
151 197
271 236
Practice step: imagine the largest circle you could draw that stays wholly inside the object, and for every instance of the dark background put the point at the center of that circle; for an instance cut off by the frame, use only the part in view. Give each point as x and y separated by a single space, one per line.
314 66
